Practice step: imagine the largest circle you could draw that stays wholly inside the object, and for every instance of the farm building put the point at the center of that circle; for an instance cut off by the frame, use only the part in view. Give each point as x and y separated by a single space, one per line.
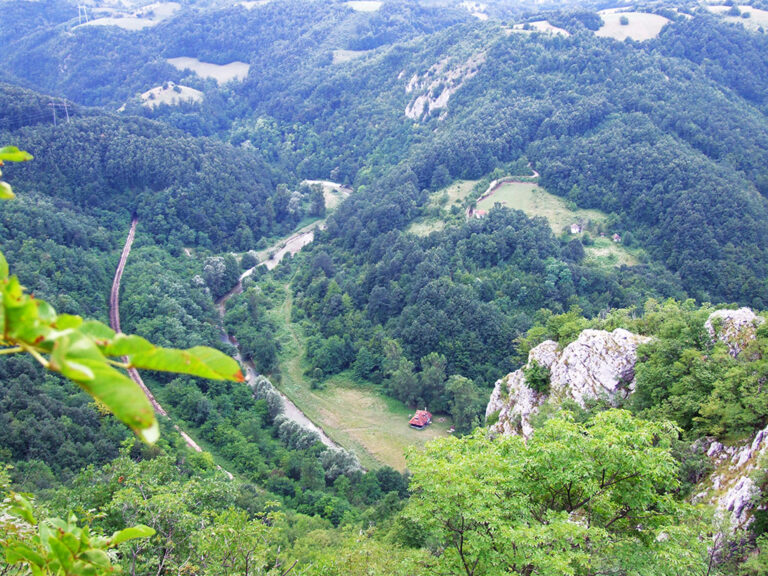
480 213
575 228
616 238
421 419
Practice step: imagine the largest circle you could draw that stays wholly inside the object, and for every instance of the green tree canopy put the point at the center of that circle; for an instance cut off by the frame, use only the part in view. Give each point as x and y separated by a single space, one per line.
577 499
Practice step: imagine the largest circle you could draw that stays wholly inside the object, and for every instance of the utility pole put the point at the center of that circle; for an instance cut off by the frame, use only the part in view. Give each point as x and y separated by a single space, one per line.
53 107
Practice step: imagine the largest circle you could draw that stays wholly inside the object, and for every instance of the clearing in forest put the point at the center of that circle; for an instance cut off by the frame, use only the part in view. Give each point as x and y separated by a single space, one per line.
750 17
250 4
333 193
540 26
221 73
144 17
640 25
360 419
364 5
341 56
440 204
535 201
171 94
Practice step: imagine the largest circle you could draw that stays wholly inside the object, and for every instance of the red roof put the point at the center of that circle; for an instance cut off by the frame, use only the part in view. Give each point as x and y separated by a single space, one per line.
421 419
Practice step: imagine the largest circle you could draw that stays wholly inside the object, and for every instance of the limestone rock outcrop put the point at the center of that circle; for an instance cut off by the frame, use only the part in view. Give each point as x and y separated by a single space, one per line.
597 365
734 327
731 487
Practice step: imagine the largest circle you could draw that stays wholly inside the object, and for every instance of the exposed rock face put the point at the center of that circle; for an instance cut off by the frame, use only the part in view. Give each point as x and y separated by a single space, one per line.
734 327
434 88
515 403
597 365
731 488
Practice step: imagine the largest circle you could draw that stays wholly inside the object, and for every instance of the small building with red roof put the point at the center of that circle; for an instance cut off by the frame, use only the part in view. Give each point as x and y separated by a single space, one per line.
421 419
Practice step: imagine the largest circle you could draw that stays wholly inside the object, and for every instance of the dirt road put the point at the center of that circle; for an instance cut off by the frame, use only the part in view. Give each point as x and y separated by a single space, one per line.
114 320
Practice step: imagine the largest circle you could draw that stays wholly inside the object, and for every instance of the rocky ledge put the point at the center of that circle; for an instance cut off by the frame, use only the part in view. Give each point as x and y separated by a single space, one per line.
598 365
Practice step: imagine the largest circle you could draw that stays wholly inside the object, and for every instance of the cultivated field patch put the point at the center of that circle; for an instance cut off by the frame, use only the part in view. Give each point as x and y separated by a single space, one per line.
221 73
540 26
171 94
144 17
535 201
640 25
752 18
606 253
341 56
364 5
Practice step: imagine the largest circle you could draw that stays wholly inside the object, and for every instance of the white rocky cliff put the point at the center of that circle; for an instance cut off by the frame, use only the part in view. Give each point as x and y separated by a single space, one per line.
734 327
597 365
601 365
731 487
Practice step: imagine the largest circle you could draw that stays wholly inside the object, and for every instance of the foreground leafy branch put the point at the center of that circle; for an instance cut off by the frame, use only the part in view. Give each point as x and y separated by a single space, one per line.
90 353
56 546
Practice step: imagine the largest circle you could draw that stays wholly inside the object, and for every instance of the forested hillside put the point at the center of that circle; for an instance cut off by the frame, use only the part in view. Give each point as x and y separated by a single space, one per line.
470 182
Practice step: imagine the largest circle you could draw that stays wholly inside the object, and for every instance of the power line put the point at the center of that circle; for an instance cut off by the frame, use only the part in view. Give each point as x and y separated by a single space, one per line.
63 104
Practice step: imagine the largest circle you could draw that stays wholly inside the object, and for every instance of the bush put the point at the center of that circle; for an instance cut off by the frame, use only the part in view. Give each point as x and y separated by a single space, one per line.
537 377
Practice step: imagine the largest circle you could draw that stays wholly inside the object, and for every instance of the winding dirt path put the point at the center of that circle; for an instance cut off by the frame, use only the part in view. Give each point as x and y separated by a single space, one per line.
114 320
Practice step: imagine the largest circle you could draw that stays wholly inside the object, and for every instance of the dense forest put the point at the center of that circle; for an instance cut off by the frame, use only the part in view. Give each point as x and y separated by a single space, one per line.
406 294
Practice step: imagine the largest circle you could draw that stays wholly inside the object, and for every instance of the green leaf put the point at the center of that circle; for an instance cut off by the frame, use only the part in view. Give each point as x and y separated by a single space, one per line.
21 553
22 508
125 345
3 267
71 541
67 322
62 553
122 397
13 154
100 333
6 192
97 557
78 358
219 362
199 361
138 531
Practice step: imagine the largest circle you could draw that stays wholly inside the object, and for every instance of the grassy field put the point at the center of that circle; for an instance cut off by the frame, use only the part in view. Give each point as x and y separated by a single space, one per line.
168 95
333 192
641 25
540 26
757 17
220 73
441 202
360 419
452 194
606 253
364 5
535 201
341 56
147 16
425 226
